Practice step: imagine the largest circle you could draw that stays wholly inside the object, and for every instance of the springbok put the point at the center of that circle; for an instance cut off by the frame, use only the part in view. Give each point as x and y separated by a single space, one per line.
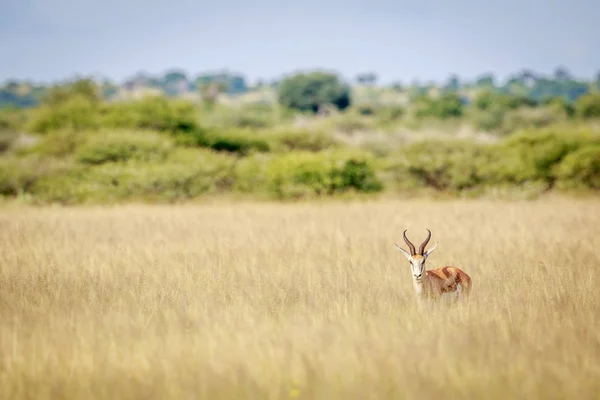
434 283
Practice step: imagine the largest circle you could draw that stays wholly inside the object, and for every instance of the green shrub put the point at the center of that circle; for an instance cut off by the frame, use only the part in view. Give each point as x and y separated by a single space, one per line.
241 142
448 105
238 141
12 119
251 173
301 139
366 109
302 174
531 118
488 99
560 105
185 174
150 113
251 116
348 123
390 113
488 119
530 156
443 165
580 169
6 141
157 113
20 175
123 146
588 106
59 143
75 113
185 177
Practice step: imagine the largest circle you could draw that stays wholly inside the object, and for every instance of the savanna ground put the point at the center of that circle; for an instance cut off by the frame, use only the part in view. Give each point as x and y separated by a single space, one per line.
298 301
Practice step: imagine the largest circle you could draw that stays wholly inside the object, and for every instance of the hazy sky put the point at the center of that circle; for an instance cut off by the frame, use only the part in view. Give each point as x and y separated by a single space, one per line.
400 40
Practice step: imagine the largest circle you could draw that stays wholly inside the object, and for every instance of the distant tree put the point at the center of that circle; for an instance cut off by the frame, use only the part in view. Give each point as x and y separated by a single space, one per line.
175 82
11 97
397 86
367 78
174 75
310 91
237 84
228 83
527 75
485 80
570 89
562 74
453 84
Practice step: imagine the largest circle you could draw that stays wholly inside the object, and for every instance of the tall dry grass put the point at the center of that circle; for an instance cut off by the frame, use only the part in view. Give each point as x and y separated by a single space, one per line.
298 301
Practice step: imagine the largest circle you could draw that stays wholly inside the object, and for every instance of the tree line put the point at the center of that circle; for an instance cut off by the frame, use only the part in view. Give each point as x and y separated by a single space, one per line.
175 83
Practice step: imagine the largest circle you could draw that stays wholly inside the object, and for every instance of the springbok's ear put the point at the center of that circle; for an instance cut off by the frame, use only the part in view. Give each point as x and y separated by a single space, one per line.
406 253
428 252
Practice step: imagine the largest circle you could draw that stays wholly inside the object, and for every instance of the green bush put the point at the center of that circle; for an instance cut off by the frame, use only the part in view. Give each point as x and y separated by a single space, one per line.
251 116
251 173
531 118
366 109
60 143
301 139
448 105
20 176
85 89
12 119
185 174
588 106
580 169
488 99
560 105
530 156
123 146
7 139
150 113
239 141
347 123
157 113
489 119
390 113
303 174
443 165
75 113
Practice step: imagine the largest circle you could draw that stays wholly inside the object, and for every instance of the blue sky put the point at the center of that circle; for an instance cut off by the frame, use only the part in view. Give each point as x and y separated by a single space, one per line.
46 40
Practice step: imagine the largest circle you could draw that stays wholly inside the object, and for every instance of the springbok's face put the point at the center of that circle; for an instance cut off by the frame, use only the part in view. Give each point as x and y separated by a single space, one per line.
417 259
417 266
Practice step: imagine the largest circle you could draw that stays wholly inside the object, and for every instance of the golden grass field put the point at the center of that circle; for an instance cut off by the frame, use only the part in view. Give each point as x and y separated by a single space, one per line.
308 301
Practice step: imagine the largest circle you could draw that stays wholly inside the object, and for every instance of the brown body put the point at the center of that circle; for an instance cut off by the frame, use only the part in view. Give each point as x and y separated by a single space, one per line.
446 280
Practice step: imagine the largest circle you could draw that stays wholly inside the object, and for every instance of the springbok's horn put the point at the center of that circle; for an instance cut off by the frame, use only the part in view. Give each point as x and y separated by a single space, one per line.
422 246
409 244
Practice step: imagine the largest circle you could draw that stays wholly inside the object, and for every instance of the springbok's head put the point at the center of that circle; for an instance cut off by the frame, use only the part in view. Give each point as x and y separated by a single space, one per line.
417 258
